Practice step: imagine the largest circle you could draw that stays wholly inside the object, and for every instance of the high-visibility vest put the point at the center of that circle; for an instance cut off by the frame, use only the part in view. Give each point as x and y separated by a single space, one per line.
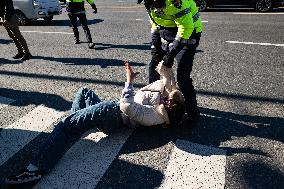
74 6
176 16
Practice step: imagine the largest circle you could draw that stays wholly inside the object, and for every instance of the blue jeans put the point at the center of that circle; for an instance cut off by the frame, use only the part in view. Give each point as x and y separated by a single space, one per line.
87 112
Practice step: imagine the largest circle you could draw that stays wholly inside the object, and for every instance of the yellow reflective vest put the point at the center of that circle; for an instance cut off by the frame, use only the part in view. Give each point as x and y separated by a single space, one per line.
180 16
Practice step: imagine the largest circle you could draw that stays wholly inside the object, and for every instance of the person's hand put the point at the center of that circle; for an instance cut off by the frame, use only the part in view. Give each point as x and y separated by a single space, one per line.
130 75
163 70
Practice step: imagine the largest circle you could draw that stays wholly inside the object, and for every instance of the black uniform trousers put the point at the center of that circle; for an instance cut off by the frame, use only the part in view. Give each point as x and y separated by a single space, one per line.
83 20
184 64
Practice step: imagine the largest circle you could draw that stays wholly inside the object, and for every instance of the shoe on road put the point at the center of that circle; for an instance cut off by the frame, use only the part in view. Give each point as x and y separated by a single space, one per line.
24 176
19 55
26 56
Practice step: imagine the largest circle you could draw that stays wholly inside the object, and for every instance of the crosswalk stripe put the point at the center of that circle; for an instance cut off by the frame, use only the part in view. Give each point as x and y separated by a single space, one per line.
195 166
5 101
17 135
85 163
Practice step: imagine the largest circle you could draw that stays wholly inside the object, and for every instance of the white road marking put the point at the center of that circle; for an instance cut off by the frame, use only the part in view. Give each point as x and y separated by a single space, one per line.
204 21
17 135
257 13
252 43
195 166
66 33
85 163
5 101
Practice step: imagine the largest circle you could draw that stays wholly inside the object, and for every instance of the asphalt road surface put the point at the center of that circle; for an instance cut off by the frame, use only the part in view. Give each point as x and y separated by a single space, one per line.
238 73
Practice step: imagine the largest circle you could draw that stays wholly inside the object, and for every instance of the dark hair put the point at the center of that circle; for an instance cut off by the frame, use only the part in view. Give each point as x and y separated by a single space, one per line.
175 113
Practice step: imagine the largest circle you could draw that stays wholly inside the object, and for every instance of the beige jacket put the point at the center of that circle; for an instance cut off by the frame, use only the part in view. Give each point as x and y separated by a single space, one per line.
146 107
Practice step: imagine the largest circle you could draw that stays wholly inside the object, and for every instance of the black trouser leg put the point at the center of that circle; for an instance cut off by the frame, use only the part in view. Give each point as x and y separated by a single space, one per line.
73 20
83 20
157 56
185 61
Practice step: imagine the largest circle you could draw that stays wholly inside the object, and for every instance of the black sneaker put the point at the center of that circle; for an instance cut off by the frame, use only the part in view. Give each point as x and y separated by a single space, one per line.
24 177
19 55
26 56
91 45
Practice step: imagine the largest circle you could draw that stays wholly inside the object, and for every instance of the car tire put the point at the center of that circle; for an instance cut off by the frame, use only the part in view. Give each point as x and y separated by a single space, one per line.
202 5
21 18
48 18
263 5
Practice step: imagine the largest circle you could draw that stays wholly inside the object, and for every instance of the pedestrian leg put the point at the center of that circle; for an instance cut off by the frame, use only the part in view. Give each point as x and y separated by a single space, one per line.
83 20
18 36
84 98
104 115
73 20
20 50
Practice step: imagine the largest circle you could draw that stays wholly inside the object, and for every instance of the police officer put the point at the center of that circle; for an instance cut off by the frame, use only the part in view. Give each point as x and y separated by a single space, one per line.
176 31
76 9
10 22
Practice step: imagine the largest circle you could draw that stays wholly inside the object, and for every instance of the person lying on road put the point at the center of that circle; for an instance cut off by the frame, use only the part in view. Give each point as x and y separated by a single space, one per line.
155 104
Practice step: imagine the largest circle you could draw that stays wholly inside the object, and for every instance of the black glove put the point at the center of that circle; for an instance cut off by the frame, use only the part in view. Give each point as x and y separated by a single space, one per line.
156 38
94 8
174 48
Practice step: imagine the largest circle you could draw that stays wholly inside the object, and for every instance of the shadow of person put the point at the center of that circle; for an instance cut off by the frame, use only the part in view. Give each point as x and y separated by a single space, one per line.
5 41
270 177
213 128
60 22
103 63
86 159
24 98
103 46
7 61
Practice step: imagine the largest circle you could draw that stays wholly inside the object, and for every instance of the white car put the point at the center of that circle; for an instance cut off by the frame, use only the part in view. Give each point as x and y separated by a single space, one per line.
27 10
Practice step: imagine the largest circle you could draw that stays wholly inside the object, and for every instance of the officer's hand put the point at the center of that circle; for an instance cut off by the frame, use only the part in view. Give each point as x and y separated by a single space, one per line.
94 8
168 61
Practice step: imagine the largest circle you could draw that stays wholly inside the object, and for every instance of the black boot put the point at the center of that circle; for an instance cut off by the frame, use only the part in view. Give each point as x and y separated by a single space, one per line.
26 56
19 55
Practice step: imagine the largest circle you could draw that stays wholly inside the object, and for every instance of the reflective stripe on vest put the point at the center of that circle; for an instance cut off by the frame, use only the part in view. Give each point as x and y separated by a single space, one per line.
195 17
181 13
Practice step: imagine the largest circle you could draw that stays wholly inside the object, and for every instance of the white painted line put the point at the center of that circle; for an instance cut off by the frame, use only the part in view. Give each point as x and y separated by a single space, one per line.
5 101
66 33
195 166
85 163
16 136
252 43
139 19
204 21
256 13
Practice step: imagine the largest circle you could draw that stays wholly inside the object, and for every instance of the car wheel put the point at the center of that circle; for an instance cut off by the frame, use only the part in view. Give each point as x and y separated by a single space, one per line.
263 5
48 18
21 18
202 5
